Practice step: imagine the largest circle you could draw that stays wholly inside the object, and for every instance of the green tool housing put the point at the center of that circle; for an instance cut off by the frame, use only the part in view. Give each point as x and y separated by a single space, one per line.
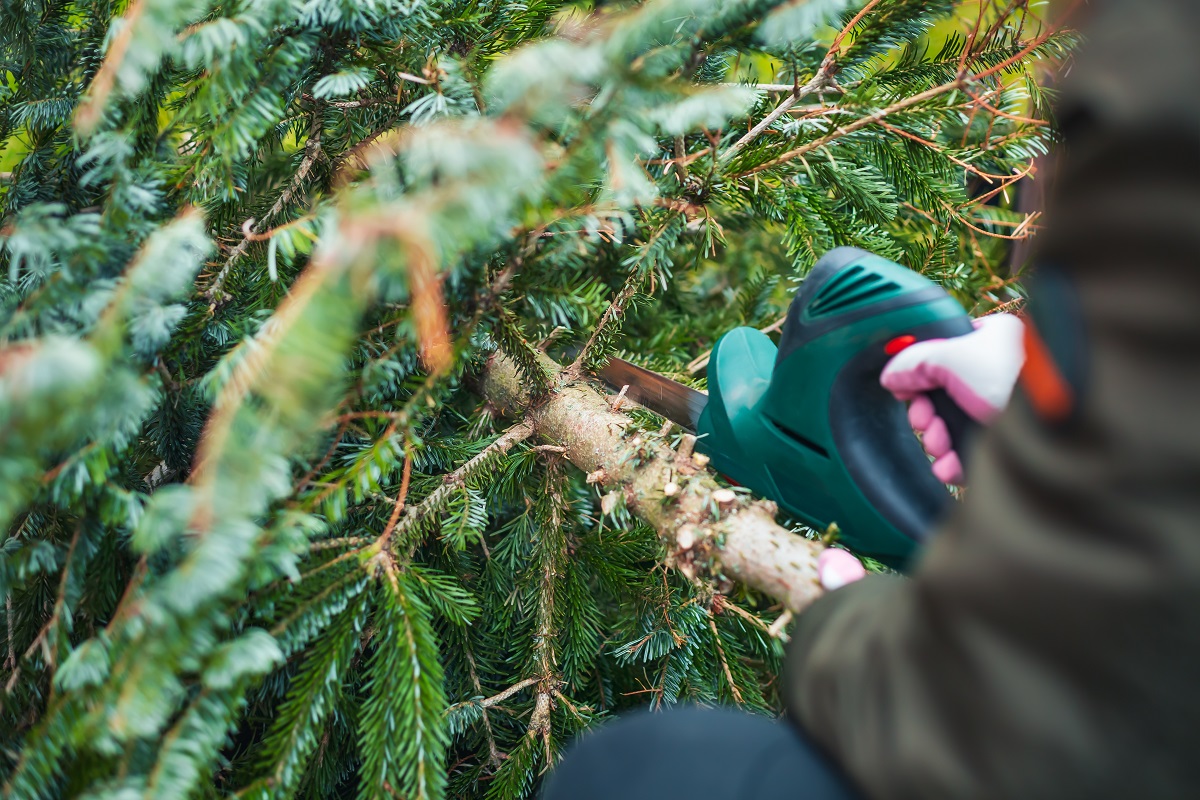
807 423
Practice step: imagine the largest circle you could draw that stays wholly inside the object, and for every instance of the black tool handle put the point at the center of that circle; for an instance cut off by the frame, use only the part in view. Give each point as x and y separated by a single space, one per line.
962 428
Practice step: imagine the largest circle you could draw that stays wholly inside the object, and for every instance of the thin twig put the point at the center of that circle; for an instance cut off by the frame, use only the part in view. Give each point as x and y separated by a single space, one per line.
1002 18
701 361
836 47
909 102
333 446
746 615
401 496
737 694
498 698
1020 234
966 53
1007 115
852 127
1008 181
614 311
680 167
781 622
355 153
249 235
10 662
450 483
333 544
765 87
494 756
939 149
822 81
312 151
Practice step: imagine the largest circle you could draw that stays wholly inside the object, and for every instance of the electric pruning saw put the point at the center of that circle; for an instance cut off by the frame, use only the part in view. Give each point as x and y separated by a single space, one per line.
806 423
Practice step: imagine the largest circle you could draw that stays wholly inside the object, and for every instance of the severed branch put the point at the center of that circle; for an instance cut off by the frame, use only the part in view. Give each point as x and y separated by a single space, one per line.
707 529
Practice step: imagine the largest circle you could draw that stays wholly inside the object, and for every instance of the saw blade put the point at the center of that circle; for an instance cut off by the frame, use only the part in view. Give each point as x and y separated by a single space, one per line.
678 403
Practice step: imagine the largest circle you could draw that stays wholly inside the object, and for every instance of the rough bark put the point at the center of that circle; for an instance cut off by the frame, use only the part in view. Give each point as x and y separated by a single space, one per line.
706 528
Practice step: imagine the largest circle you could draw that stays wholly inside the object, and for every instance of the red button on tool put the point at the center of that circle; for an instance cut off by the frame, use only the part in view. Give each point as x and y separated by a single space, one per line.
899 343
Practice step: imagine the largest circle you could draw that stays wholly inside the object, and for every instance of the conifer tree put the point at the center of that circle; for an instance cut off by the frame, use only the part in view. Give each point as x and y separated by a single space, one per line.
277 525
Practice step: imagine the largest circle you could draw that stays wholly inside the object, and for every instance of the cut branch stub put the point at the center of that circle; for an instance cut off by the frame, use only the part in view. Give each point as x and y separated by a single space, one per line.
732 537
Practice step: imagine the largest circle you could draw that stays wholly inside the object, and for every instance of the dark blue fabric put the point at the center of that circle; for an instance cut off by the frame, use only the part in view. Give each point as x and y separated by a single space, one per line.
696 754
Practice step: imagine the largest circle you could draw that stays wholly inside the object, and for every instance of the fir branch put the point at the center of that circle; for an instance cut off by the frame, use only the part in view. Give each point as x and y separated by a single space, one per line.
706 530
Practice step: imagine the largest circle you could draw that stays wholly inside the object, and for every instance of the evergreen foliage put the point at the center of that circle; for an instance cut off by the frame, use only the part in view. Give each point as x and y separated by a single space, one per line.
263 537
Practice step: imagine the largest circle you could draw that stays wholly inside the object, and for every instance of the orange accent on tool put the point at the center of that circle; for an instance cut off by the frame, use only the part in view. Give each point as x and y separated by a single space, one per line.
899 343
1045 385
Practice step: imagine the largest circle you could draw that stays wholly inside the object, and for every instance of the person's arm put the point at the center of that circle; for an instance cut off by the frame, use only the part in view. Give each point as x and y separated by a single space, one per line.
1048 644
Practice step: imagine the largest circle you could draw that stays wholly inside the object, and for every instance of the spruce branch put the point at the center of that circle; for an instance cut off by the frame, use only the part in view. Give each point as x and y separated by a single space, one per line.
495 758
706 529
90 110
413 522
369 592
663 236
611 316
46 640
552 555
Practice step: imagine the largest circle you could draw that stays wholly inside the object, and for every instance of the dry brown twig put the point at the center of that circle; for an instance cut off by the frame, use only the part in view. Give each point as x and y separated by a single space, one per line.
959 83
821 82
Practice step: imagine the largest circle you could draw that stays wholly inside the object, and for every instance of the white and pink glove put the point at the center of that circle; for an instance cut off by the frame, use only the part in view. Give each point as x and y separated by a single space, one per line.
977 370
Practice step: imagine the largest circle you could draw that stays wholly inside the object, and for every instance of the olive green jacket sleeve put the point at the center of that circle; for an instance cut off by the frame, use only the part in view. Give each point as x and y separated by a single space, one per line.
1047 645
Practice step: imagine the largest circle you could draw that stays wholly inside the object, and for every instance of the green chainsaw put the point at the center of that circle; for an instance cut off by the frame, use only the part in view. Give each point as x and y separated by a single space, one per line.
806 423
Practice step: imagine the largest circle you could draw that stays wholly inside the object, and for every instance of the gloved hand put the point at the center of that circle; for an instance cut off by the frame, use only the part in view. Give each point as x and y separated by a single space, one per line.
977 370
837 567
